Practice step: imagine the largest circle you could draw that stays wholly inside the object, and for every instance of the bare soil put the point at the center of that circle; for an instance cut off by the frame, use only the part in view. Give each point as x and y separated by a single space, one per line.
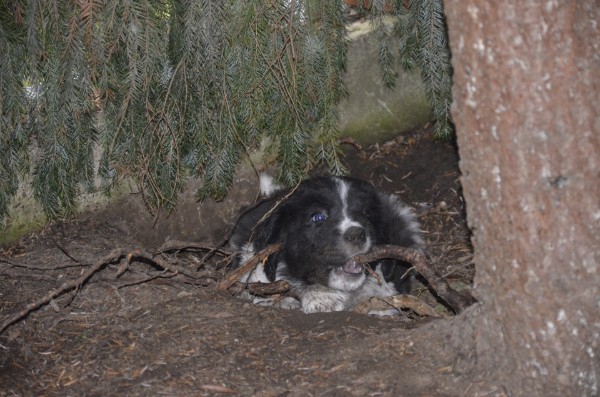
121 333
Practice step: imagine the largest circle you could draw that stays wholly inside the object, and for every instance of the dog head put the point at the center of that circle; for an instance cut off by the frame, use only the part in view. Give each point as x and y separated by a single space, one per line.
321 224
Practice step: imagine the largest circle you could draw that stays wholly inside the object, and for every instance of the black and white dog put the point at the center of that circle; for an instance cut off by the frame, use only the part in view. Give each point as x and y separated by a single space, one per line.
321 224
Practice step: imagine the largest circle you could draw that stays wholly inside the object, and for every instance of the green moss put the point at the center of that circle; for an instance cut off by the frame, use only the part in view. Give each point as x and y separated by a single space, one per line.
383 122
16 231
25 215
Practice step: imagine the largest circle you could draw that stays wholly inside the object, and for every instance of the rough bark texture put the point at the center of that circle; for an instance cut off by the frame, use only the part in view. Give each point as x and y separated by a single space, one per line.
527 117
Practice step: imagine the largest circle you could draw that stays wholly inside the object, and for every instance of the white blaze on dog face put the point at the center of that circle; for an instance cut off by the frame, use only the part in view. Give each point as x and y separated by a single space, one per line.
347 222
341 278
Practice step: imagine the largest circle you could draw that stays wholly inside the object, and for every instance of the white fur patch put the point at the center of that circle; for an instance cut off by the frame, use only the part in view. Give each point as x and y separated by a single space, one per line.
345 282
318 298
267 186
372 288
257 275
280 273
246 253
346 222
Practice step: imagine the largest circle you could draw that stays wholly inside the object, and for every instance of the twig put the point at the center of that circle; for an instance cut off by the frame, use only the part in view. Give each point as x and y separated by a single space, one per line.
178 245
64 251
30 267
274 207
113 256
348 140
65 287
373 273
235 275
139 253
217 249
164 274
457 300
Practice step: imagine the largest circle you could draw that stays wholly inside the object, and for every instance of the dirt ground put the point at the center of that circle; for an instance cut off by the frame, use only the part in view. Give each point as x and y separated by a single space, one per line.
143 331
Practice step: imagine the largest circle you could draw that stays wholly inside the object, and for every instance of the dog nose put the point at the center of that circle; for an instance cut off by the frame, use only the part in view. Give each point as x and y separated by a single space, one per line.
355 235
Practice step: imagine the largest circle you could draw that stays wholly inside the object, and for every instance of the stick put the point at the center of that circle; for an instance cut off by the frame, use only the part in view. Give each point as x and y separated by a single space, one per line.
65 287
458 301
373 273
235 275
178 245
139 253
114 255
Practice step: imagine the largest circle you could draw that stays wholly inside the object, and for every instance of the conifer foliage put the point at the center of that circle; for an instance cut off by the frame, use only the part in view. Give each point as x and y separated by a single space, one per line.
165 90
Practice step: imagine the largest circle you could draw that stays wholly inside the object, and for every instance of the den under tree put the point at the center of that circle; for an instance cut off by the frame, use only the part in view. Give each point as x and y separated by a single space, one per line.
163 91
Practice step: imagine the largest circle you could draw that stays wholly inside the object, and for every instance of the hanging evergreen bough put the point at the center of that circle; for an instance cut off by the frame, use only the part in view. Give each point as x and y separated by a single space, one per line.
163 90
419 33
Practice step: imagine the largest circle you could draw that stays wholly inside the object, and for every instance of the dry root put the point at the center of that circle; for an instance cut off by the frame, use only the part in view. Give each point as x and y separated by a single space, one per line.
458 301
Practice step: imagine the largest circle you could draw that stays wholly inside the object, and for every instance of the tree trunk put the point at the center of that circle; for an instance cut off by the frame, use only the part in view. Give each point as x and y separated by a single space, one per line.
526 84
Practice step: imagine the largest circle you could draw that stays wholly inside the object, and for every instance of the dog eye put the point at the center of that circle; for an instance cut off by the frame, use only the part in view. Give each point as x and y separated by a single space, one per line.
318 217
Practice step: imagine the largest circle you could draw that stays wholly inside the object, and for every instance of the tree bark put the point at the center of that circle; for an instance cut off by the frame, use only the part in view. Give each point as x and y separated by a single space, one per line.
526 108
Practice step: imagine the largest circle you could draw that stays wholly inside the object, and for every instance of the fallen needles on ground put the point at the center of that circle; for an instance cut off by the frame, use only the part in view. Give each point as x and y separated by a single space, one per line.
261 289
397 302
115 256
178 245
458 301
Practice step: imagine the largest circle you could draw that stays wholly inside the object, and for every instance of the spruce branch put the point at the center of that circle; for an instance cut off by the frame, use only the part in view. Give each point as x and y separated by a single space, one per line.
161 91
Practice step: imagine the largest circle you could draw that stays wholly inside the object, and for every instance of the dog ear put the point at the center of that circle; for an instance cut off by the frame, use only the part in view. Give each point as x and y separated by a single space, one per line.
259 224
267 185
258 227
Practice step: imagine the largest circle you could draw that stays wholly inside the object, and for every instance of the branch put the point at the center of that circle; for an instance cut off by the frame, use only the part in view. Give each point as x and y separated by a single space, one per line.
235 275
114 255
178 245
457 300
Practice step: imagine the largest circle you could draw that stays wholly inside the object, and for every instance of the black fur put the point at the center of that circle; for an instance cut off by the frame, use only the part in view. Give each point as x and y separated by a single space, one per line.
315 251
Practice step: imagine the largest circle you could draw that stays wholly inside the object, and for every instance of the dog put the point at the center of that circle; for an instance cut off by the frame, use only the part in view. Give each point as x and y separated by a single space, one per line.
321 224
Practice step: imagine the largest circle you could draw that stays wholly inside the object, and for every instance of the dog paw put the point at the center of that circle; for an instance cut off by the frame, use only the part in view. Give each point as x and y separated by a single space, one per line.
320 299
